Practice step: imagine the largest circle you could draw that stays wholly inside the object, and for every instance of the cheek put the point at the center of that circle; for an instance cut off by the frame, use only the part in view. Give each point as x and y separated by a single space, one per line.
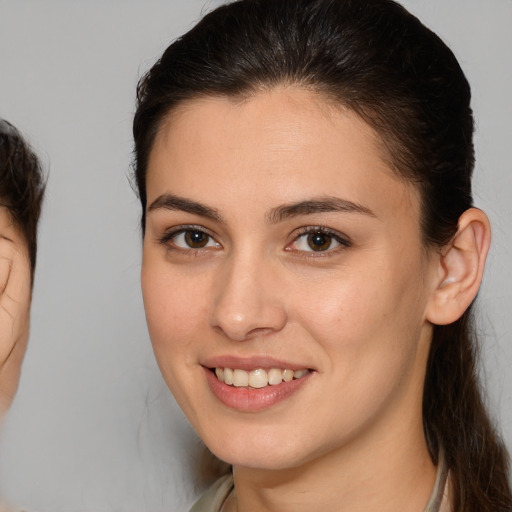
175 313
369 329
364 317
176 307
339 305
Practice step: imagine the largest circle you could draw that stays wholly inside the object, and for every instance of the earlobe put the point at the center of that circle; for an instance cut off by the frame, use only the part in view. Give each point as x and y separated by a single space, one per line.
461 267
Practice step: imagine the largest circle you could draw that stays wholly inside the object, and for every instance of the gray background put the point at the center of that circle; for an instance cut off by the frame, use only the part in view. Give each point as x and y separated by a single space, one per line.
93 427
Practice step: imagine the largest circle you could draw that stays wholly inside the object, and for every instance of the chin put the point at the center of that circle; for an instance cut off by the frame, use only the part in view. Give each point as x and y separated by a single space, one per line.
262 451
258 460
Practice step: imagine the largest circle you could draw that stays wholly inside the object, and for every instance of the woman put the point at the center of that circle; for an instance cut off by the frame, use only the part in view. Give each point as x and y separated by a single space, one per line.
21 194
311 254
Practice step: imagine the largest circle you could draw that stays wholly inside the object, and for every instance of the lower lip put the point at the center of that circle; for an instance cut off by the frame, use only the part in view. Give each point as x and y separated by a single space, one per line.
251 399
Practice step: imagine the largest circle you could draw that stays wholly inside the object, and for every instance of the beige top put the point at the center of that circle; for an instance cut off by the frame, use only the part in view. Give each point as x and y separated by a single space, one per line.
214 497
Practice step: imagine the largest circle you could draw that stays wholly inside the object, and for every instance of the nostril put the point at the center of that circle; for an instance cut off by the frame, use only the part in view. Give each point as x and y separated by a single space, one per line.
242 335
259 331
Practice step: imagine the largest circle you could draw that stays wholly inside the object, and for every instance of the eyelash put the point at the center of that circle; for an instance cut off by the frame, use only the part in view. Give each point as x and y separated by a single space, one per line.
344 243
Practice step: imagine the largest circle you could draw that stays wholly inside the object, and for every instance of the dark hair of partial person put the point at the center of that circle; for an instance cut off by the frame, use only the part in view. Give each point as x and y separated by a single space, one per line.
21 185
375 58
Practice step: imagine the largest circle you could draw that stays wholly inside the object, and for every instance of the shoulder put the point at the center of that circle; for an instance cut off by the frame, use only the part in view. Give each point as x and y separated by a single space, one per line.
214 496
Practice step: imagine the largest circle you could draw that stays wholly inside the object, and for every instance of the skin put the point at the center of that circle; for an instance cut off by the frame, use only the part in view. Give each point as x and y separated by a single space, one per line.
15 296
356 314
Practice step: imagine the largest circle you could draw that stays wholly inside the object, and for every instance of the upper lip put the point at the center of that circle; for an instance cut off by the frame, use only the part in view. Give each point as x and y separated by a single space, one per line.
251 363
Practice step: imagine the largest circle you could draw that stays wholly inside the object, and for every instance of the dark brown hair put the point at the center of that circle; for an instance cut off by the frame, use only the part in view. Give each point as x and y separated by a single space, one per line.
21 185
373 57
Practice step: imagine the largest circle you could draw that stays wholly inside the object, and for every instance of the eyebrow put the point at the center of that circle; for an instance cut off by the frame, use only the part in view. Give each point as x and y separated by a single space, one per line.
320 205
276 215
172 202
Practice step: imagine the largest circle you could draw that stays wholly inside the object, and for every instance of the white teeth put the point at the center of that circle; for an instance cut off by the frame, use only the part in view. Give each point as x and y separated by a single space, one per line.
258 378
288 375
275 376
240 378
228 376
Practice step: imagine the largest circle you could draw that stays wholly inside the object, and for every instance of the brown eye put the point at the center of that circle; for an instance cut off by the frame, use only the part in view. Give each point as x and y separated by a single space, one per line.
190 239
196 239
319 241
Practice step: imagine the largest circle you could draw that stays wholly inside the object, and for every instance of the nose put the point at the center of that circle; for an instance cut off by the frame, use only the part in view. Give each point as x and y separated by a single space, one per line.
248 301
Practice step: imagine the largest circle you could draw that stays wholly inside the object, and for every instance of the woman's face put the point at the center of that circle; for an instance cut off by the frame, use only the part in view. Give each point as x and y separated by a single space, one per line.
278 239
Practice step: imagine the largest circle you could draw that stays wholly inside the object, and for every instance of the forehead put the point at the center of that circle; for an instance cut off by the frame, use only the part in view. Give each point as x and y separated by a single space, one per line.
289 141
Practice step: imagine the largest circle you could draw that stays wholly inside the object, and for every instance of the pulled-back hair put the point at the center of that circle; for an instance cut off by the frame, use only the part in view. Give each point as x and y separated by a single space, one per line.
375 58
21 185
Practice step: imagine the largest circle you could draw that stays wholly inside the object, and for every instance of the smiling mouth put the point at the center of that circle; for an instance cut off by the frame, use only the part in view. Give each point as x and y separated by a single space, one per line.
258 378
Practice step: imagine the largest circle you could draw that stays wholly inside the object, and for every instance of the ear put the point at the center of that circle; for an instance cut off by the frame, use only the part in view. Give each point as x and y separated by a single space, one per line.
460 268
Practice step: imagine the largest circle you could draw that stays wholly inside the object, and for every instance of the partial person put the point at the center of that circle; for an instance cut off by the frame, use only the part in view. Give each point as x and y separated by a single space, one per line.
311 255
21 193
